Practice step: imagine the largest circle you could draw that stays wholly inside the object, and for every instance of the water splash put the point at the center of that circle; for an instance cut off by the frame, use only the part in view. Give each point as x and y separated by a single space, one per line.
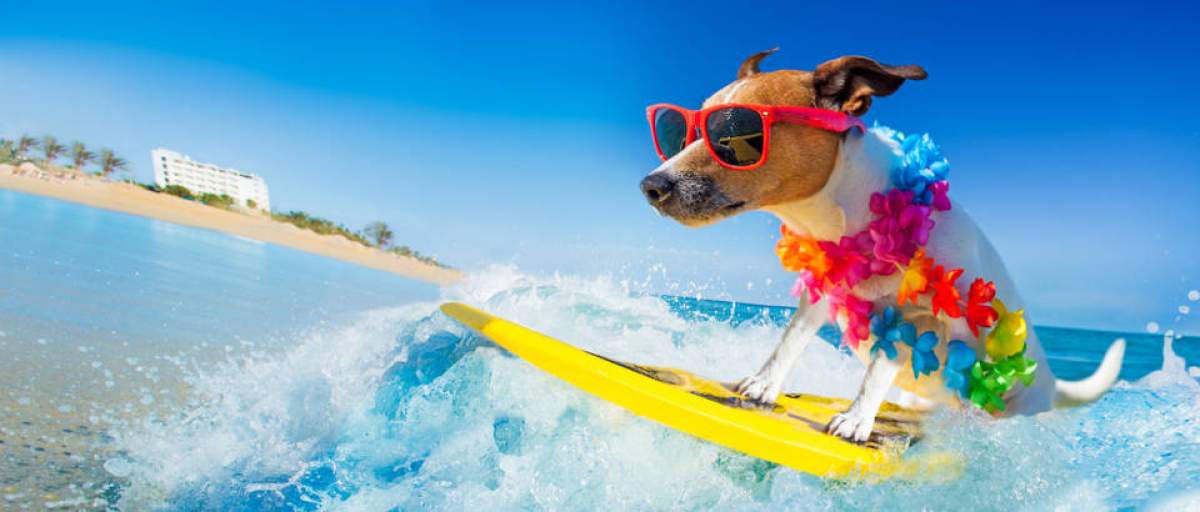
363 418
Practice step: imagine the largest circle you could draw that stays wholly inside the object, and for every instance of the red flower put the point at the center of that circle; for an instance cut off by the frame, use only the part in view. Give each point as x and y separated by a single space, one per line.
980 312
945 295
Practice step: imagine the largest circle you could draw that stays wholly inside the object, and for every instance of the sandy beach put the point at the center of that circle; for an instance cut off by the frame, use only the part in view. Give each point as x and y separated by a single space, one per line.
88 190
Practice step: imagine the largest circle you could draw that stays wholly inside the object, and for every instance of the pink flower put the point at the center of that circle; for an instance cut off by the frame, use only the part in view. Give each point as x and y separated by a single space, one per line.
940 189
857 311
901 228
850 265
807 282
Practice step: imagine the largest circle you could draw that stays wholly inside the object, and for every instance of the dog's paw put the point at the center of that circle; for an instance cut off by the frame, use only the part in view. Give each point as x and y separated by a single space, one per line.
760 388
851 426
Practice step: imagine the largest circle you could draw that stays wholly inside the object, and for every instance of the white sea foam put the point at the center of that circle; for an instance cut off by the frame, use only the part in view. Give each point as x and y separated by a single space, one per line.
406 409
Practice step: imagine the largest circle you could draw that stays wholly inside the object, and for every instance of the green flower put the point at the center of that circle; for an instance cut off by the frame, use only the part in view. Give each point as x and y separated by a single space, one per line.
990 381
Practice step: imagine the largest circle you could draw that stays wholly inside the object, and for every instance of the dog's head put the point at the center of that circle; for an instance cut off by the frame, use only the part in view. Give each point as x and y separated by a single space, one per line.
695 190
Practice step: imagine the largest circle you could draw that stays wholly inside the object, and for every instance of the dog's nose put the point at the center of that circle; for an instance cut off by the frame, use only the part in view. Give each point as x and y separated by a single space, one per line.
657 188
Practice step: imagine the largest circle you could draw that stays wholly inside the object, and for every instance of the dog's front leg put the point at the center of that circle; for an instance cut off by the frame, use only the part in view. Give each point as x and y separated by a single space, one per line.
766 385
857 423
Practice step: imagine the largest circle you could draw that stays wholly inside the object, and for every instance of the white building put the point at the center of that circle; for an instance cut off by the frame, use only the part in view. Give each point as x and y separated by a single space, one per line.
171 168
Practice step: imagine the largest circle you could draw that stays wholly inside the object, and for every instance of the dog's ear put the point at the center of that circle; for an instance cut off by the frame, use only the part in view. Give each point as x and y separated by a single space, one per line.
848 83
750 65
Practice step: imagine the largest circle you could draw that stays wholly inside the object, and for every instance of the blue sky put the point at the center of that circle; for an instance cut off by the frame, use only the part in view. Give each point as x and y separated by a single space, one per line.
515 133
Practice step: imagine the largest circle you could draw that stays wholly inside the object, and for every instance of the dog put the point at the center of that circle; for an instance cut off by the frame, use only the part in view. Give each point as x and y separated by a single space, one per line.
819 183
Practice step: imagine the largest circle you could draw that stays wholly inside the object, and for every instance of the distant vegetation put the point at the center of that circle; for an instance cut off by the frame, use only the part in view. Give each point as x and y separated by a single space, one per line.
376 234
178 191
17 152
404 250
379 233
381 236
223 201
318 225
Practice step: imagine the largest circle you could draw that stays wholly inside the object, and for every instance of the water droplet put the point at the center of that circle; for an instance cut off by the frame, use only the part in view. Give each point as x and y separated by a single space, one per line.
1194 295
118 467
1183 310
1152 327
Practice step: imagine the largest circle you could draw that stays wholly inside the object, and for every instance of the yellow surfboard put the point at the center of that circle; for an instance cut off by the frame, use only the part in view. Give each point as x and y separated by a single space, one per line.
790 433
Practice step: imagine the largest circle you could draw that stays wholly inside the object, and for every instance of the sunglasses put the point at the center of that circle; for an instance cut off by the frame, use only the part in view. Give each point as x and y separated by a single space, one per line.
737 135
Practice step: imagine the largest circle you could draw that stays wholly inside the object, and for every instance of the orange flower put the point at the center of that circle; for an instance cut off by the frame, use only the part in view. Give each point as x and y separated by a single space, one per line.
799 253
945 295
915 280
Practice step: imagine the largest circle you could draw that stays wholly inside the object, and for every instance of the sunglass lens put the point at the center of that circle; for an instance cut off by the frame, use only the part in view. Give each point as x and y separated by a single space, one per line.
736 135
670 129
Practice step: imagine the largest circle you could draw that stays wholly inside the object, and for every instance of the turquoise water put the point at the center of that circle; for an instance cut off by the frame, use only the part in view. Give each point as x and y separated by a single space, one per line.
354 394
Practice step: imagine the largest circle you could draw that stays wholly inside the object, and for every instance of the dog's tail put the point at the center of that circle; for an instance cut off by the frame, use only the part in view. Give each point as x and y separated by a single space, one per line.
1078 392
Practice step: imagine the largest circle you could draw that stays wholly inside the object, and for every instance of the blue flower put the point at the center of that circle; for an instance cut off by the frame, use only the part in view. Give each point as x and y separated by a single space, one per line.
924 361
888 329
921 165
959 360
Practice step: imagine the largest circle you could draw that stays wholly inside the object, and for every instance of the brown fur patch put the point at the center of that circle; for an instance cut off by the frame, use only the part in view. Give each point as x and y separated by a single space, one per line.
799 159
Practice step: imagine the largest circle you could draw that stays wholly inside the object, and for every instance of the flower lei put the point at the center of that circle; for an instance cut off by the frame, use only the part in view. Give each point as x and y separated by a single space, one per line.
894 242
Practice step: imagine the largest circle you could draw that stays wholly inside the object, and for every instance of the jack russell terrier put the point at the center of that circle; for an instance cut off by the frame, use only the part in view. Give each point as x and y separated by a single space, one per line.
790 143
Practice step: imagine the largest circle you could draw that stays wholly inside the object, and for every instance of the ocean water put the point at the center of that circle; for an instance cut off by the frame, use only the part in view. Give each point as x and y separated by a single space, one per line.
360 396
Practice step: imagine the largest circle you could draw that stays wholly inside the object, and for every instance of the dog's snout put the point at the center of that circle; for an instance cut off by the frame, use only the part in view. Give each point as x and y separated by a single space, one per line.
657 188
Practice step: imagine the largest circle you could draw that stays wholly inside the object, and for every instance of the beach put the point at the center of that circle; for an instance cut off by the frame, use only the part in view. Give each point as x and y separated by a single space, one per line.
128 198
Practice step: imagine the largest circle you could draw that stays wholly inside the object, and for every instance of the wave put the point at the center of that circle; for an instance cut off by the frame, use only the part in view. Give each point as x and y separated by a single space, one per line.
406 410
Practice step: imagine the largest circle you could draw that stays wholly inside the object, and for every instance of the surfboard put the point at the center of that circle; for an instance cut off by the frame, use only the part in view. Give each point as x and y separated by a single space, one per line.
790 432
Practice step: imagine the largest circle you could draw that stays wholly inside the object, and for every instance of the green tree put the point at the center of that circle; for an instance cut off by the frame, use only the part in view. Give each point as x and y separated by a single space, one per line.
110 162
24 145
180 191
220 201
379 233
8 151
252 204
80 155
51 148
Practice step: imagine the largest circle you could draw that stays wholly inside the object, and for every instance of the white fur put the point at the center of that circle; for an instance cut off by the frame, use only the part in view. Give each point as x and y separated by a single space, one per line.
768 382
1068 393
857 422
733 90
862 168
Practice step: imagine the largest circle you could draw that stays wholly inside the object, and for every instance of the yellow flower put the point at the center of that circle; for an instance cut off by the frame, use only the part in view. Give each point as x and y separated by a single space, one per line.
915 279
1007 336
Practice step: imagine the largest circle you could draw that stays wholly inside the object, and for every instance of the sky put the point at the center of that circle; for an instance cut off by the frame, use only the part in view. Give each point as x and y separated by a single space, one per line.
504 133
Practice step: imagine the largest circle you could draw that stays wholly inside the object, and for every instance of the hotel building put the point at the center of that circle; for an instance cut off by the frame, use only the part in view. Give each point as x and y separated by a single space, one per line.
171 168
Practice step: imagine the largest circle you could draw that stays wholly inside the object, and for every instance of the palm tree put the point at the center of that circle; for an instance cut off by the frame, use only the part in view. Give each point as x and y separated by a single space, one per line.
80 156
110 162
8 151
380 233
24 144
51 148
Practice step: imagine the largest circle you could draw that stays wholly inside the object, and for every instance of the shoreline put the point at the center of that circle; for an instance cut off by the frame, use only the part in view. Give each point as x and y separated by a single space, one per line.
131 199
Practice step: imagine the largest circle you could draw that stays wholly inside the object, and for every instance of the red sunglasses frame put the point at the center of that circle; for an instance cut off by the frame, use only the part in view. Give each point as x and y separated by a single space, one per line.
824 119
